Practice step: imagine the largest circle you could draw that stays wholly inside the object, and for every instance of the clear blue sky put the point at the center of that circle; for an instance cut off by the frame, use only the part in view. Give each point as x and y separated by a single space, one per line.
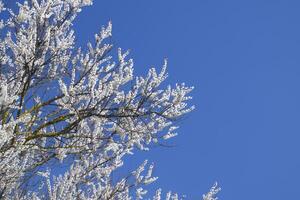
243 57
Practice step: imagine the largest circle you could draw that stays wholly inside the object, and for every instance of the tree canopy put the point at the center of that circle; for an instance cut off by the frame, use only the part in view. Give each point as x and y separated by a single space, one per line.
81 108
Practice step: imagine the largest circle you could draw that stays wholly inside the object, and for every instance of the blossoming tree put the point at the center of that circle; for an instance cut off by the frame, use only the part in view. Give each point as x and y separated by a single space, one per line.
81 109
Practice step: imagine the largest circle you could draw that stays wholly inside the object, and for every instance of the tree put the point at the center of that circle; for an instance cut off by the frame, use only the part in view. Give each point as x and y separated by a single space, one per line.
81 109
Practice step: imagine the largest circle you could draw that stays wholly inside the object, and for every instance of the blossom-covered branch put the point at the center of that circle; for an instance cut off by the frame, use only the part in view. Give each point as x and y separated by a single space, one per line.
60 104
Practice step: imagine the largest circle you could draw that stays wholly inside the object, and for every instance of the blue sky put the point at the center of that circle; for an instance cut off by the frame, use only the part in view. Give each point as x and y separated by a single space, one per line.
243 59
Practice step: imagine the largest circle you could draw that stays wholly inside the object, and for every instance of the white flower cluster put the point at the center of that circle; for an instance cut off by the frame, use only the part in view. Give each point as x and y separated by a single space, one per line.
211 195
80 110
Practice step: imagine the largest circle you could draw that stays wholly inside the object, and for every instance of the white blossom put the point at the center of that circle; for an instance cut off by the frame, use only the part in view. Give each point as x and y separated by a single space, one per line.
211 195
80 111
